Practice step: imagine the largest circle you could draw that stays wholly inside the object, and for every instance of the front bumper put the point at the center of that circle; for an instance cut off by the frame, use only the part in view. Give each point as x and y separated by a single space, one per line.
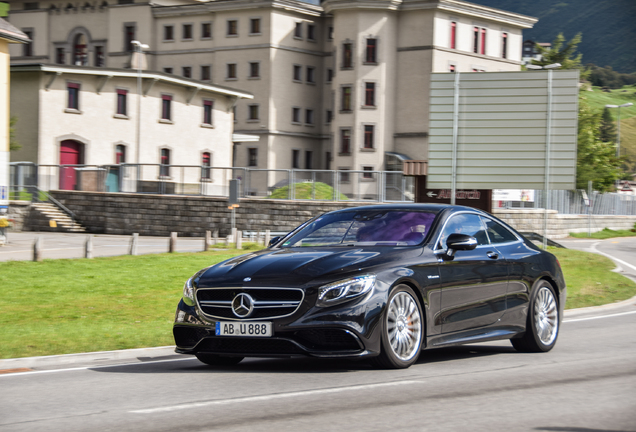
346 331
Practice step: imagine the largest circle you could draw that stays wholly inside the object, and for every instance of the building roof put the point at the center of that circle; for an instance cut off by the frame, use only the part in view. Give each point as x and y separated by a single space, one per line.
12 34
130 73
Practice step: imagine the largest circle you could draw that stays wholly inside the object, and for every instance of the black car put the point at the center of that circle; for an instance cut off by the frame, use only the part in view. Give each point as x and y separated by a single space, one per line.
380 282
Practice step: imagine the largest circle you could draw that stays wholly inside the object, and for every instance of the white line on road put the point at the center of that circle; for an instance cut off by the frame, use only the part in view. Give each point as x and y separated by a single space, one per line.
599 317
593 247
272 397
93 367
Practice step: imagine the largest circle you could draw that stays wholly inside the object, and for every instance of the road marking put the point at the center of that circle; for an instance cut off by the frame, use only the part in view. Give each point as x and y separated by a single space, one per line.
599 317
94 367
593 247
272 397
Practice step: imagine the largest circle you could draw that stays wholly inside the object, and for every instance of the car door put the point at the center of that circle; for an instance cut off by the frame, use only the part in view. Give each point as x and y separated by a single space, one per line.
473 282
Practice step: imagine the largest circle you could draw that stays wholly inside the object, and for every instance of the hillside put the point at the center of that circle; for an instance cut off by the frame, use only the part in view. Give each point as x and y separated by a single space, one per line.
598 99
608 27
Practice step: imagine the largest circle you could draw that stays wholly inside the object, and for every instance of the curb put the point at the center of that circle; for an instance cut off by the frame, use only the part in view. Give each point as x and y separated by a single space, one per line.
141 355
93 358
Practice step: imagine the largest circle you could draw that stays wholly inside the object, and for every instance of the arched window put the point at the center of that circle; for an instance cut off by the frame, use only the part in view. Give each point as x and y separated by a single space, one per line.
206 162
164 169
120 154
80 51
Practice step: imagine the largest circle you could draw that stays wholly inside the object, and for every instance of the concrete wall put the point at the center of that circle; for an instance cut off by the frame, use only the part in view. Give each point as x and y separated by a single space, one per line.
192 216
19 212
560 225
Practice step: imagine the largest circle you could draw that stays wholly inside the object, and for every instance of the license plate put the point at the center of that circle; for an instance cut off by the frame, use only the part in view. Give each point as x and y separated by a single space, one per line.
252 329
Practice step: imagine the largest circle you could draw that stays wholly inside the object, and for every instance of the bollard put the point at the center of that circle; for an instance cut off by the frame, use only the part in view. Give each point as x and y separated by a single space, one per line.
215 238
258 237
228 240
172 244
234 235
133 244
267 238
37 249
239 239
88 247
207 241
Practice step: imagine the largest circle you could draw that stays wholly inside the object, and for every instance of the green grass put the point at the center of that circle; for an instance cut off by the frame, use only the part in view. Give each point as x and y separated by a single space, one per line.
70 306
598 99
606 233
304 191
590 279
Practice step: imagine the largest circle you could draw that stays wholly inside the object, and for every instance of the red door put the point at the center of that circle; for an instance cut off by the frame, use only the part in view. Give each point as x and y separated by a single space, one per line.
70 154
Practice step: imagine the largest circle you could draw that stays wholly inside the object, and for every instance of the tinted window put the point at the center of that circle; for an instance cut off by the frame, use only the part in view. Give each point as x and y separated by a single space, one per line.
498 233
469 224
365 228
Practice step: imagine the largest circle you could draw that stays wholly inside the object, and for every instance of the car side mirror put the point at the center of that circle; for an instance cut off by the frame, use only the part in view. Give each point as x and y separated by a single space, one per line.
457 242
273 241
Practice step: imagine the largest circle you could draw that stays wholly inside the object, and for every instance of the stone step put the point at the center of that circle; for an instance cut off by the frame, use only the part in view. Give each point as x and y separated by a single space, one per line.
63 221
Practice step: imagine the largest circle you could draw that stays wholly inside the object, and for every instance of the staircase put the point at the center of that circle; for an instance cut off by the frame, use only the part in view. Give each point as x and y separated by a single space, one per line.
42 213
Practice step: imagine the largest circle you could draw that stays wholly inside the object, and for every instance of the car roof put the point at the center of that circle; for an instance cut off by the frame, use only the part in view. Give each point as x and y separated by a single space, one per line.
436 208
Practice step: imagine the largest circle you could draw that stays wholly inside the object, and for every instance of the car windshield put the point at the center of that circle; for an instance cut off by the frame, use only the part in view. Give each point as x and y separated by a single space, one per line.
365 228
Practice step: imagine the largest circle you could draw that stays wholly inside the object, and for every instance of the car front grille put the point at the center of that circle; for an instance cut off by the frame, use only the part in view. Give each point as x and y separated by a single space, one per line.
188 336
269 303
249 346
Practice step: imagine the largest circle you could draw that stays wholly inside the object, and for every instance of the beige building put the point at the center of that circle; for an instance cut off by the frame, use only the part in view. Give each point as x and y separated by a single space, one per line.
339 85
8 35
78 115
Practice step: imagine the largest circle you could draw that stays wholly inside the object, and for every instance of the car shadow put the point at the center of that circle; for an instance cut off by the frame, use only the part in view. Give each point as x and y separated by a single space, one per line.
304 365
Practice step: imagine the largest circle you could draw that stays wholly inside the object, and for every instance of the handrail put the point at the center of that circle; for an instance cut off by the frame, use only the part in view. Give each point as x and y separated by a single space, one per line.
53 200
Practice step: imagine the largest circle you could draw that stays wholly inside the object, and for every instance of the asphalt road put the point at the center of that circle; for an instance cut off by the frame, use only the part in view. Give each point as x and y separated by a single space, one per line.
587 383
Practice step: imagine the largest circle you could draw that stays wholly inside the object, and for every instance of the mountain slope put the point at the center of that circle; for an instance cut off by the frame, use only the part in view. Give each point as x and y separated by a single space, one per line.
608 27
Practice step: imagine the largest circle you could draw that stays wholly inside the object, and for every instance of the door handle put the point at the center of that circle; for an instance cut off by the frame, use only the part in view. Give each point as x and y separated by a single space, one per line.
492 255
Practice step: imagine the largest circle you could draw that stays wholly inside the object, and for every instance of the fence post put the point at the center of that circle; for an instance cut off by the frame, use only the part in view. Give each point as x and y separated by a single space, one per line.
215 237
239 240
133 244
37 249
88 247
172 244
207 241
267 238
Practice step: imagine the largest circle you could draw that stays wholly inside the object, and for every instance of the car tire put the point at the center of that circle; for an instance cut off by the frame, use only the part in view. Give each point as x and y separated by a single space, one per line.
543 321
217 360
402 330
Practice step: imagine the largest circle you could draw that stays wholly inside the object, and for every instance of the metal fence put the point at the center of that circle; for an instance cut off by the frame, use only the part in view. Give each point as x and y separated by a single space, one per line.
326 185
575 202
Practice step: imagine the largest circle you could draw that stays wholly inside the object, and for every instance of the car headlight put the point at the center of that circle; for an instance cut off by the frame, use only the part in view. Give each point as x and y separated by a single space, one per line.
341 291
188 292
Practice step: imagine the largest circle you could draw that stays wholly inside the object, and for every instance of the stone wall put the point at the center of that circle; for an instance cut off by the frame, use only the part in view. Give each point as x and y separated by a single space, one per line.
159 215
19 212
560 225
189 216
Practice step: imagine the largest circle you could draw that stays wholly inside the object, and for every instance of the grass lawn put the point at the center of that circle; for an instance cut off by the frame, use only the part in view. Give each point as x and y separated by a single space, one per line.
606 233
590 279
70 306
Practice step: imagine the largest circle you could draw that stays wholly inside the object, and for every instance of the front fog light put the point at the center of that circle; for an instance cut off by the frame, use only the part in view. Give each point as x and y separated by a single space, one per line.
341 291
188 292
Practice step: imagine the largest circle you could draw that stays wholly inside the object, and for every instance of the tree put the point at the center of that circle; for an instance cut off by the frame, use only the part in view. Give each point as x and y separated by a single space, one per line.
607 129
558 53
13 143
596 160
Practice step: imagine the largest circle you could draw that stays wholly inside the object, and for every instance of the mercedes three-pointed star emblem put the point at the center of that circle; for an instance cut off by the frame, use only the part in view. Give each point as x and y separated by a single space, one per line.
243 305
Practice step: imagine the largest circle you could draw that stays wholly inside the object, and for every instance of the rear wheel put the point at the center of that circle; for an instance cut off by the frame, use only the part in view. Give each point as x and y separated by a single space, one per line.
402 330
216 360
542 325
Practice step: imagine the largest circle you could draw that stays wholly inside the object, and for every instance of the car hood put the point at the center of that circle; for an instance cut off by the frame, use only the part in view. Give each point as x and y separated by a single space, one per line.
298 267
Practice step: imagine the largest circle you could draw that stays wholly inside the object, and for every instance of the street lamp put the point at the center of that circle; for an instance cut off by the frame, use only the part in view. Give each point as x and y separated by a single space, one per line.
139 47
618 132
546 200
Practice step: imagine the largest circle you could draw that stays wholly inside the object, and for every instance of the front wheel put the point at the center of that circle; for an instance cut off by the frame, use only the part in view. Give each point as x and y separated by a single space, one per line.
402 330
542 324
216 360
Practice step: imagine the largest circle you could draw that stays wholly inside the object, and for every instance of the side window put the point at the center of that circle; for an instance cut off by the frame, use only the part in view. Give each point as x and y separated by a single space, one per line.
498 233
469 224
